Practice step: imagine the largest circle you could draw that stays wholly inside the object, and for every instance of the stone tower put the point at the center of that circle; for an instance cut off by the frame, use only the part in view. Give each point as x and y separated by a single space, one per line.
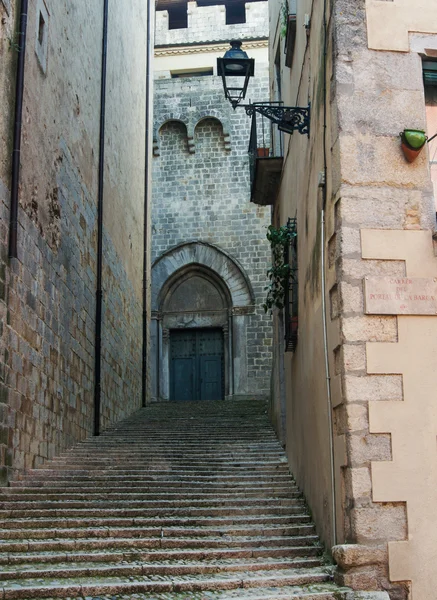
210 336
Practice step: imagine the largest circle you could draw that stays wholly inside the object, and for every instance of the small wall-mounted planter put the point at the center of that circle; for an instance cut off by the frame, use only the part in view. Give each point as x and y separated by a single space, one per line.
412 142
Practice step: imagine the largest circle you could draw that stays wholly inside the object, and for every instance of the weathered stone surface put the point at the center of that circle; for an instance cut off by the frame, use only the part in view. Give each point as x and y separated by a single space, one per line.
208 24
348 556
47 294
379 523
370 329
202 216
215 512
366 596
373 387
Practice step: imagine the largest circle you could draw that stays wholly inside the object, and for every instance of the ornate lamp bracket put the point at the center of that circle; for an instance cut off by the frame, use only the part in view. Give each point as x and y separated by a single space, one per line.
287 118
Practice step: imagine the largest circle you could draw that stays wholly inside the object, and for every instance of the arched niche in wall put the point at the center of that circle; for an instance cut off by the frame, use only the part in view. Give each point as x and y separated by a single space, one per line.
199 286
209 135
171 138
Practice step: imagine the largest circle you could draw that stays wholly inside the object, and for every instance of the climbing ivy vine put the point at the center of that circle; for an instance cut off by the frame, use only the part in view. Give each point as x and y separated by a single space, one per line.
280 239
284 18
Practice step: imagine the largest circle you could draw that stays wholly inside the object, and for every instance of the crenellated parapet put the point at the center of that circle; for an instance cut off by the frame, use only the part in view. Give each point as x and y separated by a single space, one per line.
207 24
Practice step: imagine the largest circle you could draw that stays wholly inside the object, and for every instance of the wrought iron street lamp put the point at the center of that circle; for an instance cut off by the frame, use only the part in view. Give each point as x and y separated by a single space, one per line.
236 65
235 69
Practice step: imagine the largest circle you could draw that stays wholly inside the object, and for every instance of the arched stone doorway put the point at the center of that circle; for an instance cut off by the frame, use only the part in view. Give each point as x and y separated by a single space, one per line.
201 300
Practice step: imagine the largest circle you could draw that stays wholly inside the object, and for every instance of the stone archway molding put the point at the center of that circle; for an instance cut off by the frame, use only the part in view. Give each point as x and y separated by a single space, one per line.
209 256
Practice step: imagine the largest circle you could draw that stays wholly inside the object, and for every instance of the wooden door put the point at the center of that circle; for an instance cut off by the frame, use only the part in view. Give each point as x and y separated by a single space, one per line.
196 370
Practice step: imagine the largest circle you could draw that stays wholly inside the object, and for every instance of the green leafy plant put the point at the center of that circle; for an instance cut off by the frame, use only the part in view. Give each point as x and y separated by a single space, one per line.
284 18
278 274
13 44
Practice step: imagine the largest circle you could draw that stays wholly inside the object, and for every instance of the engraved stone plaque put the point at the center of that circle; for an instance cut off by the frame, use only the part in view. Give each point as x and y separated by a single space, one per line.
400 296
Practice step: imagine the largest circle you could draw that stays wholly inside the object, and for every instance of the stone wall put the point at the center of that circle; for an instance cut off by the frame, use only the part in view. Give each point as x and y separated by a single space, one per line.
47 299
384 219
201 192
301 375
379 219
208 24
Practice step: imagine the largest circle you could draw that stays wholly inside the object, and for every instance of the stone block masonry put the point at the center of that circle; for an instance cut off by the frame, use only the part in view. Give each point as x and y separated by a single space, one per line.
48 293
47 315
208 24
201 191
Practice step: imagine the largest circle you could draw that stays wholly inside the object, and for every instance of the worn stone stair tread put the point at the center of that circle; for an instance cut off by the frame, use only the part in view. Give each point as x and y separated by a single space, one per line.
320 591
151 554
161 532
170 521
166 476
200 542
140 567
149 490
145 499
36 588
214 513
142 512
122 457
12 493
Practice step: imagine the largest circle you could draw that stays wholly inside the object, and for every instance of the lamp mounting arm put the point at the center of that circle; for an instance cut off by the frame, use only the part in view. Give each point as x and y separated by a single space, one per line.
287 118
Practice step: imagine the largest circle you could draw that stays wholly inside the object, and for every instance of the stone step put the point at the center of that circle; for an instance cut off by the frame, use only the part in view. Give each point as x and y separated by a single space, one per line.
156 450
122 511
135 568
234 442
193 436
163 464
33 588
135 531
162 543
168 505
255 521
214 502
164 476
151 451
319 591
139 463
253 471
146 495
53 487
148 555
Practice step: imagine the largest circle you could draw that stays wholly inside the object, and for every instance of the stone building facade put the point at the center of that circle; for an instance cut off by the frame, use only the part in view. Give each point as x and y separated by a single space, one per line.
357 395
48 292
208 242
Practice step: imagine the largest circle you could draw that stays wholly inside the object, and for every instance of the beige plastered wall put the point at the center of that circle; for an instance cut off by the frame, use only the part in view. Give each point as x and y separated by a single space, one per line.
384 219
308 435
197 58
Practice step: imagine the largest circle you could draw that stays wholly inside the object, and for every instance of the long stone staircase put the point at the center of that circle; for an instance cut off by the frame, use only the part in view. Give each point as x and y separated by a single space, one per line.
181 501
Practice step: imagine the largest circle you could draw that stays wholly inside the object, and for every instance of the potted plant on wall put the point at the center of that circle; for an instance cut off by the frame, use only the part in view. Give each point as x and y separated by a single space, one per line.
412 142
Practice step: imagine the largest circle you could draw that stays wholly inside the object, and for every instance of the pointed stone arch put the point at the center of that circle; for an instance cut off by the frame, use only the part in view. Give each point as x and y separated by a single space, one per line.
184 273
208 256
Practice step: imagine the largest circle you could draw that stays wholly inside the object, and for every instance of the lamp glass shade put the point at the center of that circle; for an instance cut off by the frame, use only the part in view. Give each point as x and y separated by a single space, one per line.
232 68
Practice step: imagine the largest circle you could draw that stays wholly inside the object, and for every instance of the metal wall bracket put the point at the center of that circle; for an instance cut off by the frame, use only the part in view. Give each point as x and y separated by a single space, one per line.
287 118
